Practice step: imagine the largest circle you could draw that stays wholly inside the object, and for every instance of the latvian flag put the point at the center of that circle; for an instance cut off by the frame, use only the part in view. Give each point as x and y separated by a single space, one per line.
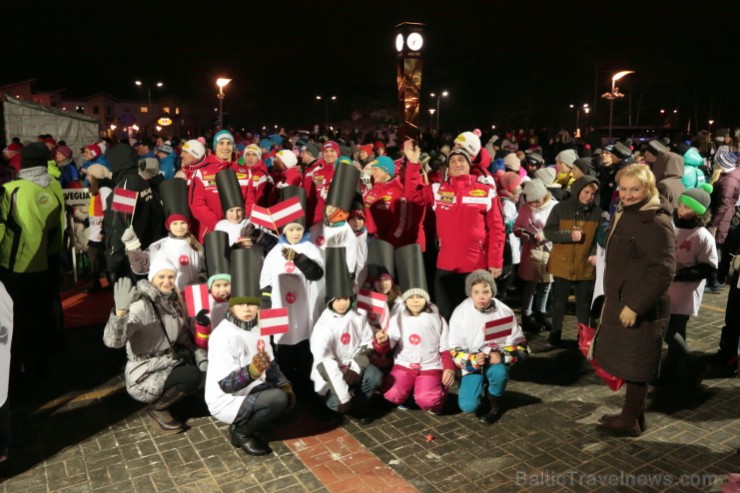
124 200
376 305
498 329
261 217
286 212
197 299
274 321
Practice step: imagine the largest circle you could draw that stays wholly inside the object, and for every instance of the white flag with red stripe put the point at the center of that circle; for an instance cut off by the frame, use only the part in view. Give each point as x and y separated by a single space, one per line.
261 217
286 211
274 321
498 329
124 200
376 305
197 299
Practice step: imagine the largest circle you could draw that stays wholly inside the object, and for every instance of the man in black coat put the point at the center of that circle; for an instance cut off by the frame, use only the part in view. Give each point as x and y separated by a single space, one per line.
147 218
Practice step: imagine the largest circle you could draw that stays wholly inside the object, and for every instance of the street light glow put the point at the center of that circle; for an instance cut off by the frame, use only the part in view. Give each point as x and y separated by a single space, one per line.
621 74
222 82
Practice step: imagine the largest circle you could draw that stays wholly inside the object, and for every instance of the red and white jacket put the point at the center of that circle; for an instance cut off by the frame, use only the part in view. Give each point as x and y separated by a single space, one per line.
388 216
205 204
470 225
291 177
316 182
255 182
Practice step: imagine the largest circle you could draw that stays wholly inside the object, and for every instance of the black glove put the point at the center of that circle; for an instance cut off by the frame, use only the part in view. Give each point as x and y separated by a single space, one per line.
202 318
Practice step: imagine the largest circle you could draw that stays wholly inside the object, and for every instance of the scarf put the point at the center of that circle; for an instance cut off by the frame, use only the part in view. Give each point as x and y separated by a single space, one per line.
38 175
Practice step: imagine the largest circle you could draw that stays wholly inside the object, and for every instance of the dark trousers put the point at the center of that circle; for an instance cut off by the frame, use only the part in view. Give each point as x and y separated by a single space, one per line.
187 378
583 290
268 405
363 392
449 289
295 362
33 322
4 426
731 331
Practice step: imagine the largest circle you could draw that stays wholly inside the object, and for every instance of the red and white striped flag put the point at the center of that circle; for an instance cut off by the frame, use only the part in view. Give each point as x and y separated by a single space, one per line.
274 321
376 305
124 200
197 299
286 211
261 217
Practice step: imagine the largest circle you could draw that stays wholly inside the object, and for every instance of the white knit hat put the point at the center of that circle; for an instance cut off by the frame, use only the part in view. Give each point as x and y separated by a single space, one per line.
160 263
195 149
288 158
469 142
512 162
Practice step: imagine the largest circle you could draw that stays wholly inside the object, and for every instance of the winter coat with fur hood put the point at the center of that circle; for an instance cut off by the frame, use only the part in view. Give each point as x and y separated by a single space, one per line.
150 360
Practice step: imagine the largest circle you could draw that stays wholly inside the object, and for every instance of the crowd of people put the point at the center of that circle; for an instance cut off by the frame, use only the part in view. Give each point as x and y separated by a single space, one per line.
318 225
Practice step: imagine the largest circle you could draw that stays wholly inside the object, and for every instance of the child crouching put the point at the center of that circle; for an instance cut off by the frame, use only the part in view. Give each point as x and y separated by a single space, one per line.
485 340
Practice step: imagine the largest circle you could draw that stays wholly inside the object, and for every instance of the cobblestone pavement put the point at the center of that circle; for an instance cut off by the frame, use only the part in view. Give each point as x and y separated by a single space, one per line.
79 431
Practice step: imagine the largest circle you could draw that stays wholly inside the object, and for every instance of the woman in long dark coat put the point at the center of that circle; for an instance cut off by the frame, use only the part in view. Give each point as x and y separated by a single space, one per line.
640 265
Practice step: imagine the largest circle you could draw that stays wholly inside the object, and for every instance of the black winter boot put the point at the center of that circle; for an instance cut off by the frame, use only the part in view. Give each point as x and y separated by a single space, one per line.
159 412
529 324
542 319
494 411
243 435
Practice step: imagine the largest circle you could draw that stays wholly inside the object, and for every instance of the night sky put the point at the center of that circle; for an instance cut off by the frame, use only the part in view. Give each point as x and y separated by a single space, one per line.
506 63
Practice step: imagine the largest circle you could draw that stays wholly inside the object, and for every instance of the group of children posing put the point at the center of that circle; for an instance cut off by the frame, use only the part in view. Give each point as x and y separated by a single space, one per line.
334 349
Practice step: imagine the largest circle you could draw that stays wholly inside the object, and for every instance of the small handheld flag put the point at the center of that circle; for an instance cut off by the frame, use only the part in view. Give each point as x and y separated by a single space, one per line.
197 299
274 321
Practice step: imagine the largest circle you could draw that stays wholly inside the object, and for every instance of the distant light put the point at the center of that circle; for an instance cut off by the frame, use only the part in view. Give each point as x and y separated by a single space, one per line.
493 127
318 97
675 111
445 94
222 82
165 121
621 74
572 106
158 128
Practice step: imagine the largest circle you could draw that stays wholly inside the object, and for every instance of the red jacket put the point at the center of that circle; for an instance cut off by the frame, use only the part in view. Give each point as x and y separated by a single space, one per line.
255 182
316 182
291 177
470 224
205 204
388 217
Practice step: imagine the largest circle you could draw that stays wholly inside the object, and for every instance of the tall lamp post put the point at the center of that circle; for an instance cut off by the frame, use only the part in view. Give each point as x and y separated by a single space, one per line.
221 83
148 91
614 94
439 95
585 109
326 107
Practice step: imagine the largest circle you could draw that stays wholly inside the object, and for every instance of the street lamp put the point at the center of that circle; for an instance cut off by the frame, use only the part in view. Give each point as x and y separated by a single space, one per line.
614 94
586 109
326 107
149 91
221 83
442 94
432 111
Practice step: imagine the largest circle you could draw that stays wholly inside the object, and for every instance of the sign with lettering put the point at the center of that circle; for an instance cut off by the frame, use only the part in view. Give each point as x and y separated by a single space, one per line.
76 196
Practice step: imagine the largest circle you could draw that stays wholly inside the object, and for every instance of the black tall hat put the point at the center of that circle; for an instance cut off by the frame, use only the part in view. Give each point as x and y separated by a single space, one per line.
246 265
411 274
343 186
218 252
380 260
293 191
338 282
174 194
229 191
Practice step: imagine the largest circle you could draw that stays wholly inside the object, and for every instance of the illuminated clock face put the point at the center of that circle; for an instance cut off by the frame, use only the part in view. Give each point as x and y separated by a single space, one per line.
399 42
415 41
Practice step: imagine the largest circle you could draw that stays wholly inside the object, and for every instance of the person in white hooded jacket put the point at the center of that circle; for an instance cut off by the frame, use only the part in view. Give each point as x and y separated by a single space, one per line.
6 338
292 276
341 344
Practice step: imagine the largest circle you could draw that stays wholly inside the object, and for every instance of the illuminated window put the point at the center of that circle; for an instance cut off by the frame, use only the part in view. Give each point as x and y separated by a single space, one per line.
166 109
177 111
144 109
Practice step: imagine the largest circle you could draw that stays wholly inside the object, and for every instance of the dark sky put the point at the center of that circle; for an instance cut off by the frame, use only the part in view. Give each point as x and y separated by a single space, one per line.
511 63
